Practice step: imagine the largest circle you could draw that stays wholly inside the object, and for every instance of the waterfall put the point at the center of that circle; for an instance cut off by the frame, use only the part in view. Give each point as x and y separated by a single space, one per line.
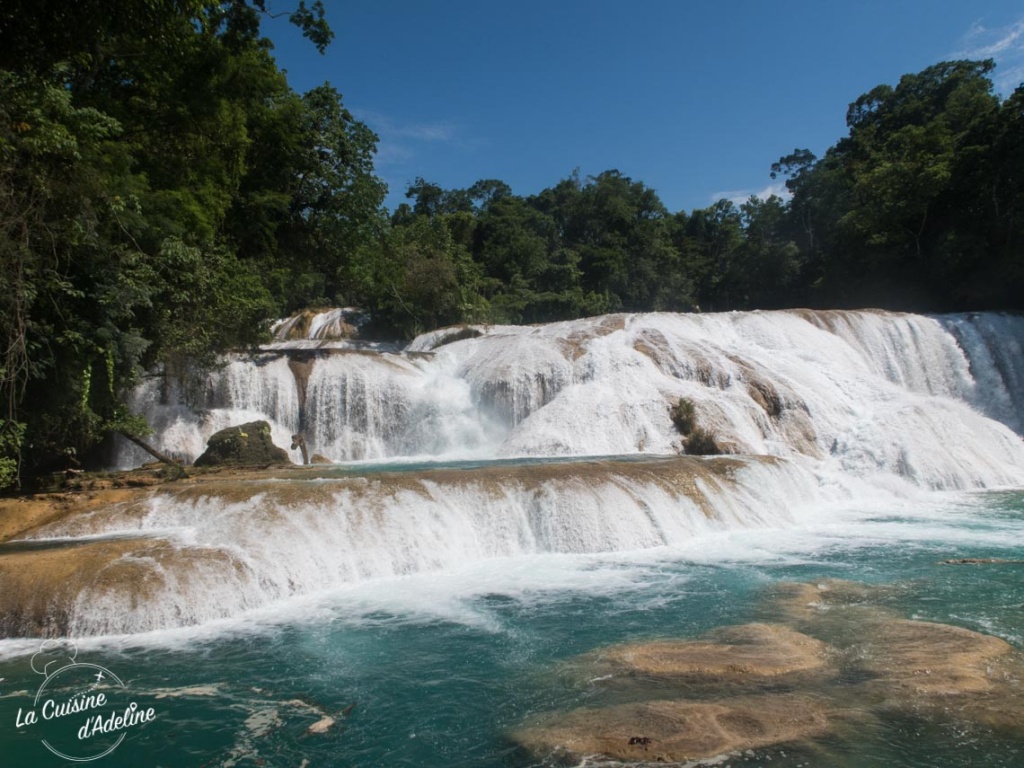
819 408
868 392
197 554
994 348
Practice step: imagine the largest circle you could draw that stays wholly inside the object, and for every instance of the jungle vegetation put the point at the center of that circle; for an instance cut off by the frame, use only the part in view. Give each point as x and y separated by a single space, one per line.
164 194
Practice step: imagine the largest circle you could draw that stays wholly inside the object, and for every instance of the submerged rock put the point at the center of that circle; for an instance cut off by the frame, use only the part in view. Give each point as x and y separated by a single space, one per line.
828 602
939 670
854 663
922 659
678 731
245 445
749 652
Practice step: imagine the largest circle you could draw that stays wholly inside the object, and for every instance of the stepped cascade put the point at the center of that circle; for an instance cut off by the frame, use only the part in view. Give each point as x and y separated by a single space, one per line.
863 392
540 440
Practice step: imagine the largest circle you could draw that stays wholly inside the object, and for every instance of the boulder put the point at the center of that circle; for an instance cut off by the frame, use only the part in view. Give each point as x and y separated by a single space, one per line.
245 445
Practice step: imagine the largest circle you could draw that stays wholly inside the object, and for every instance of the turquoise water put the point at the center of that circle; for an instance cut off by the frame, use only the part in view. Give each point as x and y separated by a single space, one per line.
438 670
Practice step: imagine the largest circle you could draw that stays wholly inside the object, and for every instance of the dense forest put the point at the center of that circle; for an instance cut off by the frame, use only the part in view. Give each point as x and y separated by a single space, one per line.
164 193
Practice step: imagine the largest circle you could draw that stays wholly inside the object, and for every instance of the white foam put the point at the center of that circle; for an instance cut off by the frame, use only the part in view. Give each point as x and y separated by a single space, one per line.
865 408
870 393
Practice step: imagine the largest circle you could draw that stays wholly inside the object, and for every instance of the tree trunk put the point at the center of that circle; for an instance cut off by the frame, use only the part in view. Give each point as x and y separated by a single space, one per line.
150 449
298 441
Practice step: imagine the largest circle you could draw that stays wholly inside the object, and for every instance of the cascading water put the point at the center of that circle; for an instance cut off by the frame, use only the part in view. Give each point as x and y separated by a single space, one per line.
837 405
870 392
510 520
214 551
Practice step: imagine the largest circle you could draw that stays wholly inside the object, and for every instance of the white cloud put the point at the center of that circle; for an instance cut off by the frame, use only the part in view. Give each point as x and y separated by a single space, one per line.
398 141
740 196
427 131
1005 45
389 153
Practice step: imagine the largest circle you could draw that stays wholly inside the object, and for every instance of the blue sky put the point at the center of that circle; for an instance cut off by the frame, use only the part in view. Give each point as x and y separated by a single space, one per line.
696 99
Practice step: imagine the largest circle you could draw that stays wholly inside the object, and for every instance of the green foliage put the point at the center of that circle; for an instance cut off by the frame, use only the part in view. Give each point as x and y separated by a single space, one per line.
123 421
696 440
919 207
684 416
425 280
208 301
164 193
701 442
12 436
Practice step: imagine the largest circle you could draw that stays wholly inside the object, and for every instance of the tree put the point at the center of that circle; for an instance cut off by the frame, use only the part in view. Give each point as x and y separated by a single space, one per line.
768 265
423 279
903 162
126 147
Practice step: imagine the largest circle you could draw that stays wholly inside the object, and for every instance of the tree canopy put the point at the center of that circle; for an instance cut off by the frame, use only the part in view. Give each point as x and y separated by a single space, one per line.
164 193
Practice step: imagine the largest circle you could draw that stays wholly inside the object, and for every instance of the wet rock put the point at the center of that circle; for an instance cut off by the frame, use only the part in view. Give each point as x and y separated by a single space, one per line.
854 665
41 585
730 654
678 731
938 669
917 668
929 659
245 445
829 600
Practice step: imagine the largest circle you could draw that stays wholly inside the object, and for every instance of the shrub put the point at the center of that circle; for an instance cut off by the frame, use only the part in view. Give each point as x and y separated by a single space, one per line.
701 442
12 435
684 416
697 441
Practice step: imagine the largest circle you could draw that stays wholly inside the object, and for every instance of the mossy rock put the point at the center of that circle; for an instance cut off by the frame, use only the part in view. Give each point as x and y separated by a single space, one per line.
245 445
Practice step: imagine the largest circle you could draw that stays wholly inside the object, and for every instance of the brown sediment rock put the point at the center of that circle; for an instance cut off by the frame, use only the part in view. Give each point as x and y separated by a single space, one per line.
40 581
678 731
38 587
917 668
456 333
653 344
20 514
301 368
693 700
43 584
789 414
764 393
688 361
802 603
923 659
575 344
682 476
749 652
830 319
297 327
939 670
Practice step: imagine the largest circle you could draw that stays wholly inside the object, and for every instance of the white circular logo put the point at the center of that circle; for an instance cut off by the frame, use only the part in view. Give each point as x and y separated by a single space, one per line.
82 711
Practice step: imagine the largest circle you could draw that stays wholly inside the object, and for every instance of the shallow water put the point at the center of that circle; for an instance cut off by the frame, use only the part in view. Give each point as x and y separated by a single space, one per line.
439 669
